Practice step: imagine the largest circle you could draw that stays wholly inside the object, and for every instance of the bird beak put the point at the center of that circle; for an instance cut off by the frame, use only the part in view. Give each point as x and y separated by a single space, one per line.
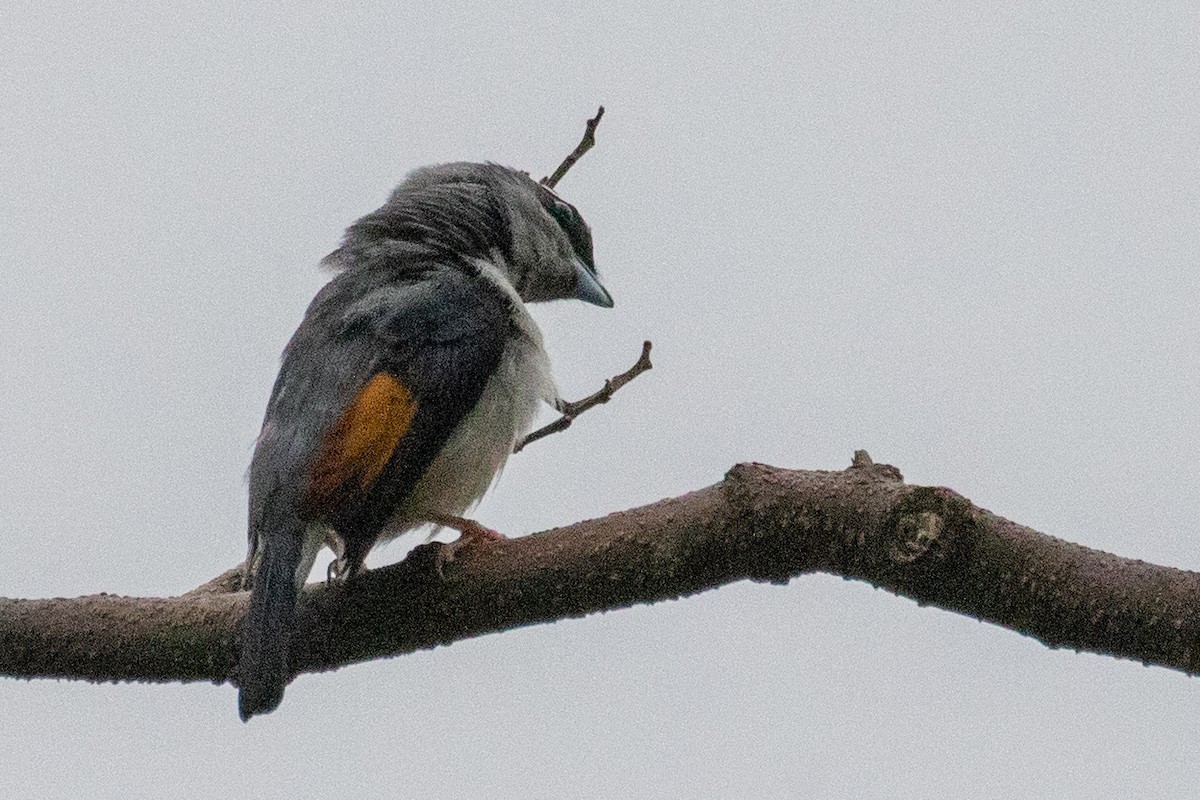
588 288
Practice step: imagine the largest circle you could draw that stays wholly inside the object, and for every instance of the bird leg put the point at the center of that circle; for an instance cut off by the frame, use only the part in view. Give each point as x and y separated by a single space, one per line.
470 533
349 562
468 528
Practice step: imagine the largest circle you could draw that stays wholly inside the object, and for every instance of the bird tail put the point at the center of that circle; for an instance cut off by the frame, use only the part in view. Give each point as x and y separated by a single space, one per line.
262 668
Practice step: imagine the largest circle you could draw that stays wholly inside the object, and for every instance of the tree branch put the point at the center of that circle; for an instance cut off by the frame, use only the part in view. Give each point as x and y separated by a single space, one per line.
571 410
760 523
586 143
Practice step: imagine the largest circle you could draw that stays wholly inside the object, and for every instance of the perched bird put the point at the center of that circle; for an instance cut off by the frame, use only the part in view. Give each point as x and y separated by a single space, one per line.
414 372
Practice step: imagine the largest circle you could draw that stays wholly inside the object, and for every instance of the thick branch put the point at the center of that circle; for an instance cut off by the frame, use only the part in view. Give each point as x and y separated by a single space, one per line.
761 523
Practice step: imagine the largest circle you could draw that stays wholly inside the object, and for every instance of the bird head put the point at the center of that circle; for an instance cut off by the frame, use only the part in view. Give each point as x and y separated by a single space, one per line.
537 240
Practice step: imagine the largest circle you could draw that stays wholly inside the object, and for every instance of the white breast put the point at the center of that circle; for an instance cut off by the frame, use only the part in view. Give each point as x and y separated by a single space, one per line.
476 451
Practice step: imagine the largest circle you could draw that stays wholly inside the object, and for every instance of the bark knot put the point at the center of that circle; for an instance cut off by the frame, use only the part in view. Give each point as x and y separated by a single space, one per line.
915 534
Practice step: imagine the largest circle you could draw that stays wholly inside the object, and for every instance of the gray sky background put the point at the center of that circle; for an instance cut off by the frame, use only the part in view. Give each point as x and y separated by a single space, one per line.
961 237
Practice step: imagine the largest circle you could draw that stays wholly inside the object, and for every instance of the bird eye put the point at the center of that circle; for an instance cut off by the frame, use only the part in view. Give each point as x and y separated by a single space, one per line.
572 225
563 214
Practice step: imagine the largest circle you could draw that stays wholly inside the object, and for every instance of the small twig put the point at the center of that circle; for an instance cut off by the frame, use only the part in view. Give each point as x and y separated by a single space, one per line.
585 144
572 410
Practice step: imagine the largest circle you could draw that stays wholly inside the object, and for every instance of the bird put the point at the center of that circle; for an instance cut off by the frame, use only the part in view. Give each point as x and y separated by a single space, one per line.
415 371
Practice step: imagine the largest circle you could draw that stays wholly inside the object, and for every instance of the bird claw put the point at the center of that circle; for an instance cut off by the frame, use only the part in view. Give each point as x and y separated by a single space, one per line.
470 534
341 573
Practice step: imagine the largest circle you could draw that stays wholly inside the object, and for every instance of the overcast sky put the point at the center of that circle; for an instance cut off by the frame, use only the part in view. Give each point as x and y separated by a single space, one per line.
961 236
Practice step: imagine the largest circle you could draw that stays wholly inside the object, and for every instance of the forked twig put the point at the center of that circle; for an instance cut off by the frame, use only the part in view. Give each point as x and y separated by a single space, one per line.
585 144
572 410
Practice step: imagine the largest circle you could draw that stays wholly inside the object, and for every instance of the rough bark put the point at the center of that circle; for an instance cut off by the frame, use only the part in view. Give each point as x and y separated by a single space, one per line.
760 523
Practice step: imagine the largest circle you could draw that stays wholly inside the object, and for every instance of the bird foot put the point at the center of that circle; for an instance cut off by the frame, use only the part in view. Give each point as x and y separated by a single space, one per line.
341 573
470 534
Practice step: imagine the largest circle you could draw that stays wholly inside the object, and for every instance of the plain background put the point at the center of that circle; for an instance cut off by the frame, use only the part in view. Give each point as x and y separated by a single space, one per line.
961 236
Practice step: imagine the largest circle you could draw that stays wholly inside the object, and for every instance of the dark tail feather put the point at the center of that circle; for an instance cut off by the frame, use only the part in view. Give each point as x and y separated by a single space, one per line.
262 669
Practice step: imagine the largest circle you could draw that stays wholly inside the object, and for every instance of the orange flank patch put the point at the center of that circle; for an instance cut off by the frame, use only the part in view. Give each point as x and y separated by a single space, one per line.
359 446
